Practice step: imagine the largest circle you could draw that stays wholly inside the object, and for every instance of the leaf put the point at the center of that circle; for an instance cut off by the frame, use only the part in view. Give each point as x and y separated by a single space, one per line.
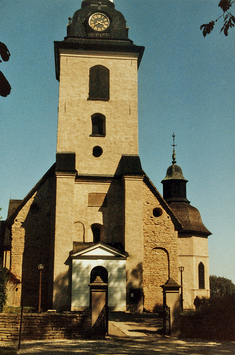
5 87
225 4
229 22
207 28
4 52
233 18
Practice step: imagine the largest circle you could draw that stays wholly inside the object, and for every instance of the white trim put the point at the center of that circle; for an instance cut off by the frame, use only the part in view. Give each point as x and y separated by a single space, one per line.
99 250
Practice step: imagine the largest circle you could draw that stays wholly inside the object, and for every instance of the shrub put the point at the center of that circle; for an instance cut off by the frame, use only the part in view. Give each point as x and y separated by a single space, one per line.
221 286
214 319
3 284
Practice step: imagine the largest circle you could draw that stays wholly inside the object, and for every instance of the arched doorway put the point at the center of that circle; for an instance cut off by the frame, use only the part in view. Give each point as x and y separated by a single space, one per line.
99 271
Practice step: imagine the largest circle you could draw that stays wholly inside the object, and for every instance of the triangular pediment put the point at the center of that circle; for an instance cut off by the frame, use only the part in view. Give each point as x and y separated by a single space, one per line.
99 250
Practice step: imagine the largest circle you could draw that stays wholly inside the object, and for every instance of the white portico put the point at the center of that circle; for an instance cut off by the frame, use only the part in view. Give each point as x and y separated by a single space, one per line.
106 262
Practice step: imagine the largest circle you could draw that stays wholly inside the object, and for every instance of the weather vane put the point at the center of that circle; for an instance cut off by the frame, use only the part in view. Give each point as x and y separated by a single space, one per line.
173 145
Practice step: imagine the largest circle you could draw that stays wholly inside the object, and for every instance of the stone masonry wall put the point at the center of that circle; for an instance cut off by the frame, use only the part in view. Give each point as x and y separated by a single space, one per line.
75 111
43 326
31 245
160 237
134 236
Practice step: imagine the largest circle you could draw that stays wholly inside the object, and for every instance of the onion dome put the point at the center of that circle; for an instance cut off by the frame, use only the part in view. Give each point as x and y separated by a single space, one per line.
174 184
174 172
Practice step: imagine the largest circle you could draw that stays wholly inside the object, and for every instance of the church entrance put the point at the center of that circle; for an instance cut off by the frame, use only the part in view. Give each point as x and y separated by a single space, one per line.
105 263
99 301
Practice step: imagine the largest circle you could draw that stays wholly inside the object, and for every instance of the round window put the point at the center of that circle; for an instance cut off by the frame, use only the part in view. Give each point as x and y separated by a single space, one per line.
97 151
34 208
157 212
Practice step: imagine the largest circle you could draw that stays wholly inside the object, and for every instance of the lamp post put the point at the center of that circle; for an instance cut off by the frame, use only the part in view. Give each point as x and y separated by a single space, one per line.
181 269
40 268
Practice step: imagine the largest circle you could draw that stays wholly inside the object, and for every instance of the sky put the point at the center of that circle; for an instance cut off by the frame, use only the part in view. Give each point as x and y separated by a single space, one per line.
186 86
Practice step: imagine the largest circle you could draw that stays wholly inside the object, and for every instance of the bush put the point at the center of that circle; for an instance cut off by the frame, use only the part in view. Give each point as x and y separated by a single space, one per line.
3 284
221 286
214 319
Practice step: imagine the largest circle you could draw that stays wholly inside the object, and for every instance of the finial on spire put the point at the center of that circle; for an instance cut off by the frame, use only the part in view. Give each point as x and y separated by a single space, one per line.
173 145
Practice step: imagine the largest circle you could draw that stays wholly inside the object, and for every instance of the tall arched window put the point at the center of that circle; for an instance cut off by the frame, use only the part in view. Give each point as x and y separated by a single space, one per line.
96 230
99 83
98 125
201 275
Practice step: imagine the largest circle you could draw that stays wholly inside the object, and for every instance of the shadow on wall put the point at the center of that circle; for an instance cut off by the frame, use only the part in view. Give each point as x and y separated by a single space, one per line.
135 296
113 214
62 291
82 278
79 286
38 247
175 326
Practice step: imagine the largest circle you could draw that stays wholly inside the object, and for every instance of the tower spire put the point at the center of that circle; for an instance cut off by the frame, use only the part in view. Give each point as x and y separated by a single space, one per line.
173 145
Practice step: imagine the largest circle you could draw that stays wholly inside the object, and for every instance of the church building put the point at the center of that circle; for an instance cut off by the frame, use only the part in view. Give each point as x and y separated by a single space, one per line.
95 212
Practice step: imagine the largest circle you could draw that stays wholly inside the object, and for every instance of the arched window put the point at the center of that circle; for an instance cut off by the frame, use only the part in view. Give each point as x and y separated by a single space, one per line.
201 276
99 83
99 271
96 230
98 125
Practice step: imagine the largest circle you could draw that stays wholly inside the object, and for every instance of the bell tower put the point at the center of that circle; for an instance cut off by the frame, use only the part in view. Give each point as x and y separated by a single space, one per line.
98 172
96 66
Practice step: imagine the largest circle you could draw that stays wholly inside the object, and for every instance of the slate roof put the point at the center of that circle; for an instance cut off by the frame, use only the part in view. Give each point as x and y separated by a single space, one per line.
190 219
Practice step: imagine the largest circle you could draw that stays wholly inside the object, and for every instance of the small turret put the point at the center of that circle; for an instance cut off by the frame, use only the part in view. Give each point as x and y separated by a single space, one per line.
174 184
174 192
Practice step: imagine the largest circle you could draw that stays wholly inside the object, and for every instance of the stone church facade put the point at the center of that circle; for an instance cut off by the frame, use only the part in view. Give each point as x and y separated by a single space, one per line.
96 212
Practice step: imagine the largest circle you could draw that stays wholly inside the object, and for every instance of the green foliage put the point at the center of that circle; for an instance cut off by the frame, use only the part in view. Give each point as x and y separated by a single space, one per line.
218 314
3 284
214 319
228 19
17 310
221 286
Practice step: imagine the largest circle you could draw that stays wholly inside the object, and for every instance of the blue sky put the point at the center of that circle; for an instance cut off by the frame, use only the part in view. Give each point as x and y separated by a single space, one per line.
186 86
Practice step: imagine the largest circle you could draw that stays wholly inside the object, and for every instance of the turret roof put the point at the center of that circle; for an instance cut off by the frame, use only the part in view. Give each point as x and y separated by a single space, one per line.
188 215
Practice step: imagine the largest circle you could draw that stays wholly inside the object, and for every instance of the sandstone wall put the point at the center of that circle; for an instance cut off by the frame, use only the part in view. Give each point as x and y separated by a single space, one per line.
160 240
192 251
75 110
81 204
99 202
31 245
134 243
43 326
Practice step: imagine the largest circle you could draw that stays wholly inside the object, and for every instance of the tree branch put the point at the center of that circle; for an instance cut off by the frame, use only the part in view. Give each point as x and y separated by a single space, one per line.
229 19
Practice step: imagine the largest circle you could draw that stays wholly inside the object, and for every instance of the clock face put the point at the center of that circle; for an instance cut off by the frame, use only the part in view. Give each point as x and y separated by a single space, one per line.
99 22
